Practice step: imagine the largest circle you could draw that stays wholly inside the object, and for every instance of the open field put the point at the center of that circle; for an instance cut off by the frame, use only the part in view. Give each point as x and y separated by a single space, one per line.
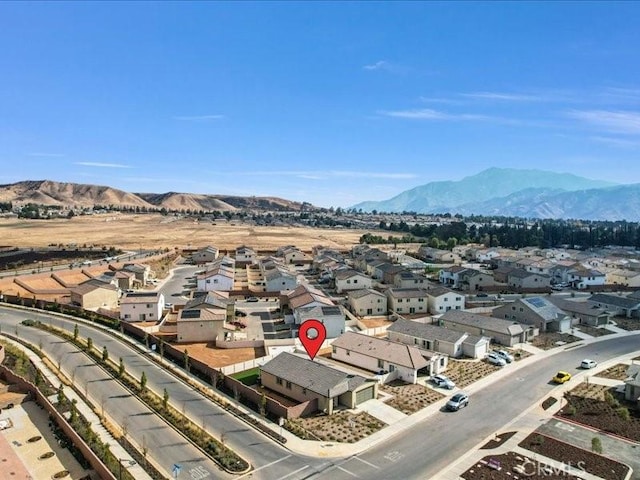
156 231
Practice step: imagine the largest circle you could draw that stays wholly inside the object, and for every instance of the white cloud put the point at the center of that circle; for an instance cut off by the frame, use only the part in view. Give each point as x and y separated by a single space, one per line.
379 65
616 142
510 97
431 114
622 122
199 118
102 165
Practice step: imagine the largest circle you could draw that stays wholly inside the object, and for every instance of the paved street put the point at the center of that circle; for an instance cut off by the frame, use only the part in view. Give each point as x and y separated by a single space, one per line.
179 284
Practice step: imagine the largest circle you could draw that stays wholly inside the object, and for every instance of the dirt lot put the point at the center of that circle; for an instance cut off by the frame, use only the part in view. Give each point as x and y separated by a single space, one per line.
373 322
410 398
219 357
465 372
595 464
593 331
587 405
617 372
507 463
627 323
157 231
342 426
548 340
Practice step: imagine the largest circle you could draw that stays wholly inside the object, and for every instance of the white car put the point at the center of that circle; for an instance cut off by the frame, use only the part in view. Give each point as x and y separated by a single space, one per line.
587 364
493 358
506 356
443 381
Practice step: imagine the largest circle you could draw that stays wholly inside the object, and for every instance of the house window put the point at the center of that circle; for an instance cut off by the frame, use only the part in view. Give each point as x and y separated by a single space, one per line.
355 281
521 309
415 340
334 349
380 364
288 385
458 299
446 299
442 360
127 316
399 300
513 308
421 299
440 307
304 391
278 380
348 352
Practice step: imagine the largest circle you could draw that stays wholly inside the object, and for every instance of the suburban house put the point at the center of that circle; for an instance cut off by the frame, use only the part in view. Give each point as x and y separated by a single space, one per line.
377 355
582 278
560 272
616 304
121 278
433 338
304 296
369 265
542 266
451 276
292 254
348 279
94 294
474 280
331 316
441 299
501 274
585 313
536 311
523 279
304 380
205 255
406 279
367 302
626 278
632 384
277 277
407 300
141 306
486 254
201 324
246 254
386 272
142 272
504 332
438 256
218 276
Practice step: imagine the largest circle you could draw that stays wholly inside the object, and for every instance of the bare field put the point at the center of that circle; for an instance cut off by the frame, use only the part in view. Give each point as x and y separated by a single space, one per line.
157 231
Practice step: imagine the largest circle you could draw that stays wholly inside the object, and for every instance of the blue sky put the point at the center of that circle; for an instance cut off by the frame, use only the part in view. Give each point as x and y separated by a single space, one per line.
331 103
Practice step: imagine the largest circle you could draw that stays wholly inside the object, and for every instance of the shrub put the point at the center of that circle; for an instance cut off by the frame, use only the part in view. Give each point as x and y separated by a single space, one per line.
570 410
623 412
596 445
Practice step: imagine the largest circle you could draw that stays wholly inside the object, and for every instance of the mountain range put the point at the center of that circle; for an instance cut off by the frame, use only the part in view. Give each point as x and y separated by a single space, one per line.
47 192
523 193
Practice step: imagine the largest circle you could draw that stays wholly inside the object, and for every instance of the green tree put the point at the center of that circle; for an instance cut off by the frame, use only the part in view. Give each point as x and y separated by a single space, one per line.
61 396
165 399
105 354
143 381
186 359
89 344
121 368
76 332
596 445
263 405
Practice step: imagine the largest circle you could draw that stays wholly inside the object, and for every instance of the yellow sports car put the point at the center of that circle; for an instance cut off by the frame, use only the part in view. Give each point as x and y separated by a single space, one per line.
561 377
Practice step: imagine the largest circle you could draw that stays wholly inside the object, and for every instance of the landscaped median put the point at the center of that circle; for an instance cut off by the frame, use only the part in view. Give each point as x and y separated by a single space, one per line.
225 457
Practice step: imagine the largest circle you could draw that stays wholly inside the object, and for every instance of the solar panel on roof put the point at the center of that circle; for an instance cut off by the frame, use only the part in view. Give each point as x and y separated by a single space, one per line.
536 302
191 314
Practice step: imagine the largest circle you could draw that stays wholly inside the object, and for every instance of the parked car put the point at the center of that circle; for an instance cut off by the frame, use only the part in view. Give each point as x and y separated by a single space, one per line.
561 377
493 358
506 356
458 401
168 305
481 295
587 364
252 299
443 382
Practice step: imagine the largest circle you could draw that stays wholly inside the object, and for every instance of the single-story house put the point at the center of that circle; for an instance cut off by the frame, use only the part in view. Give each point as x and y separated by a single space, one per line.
94 294
367 302
504 332
400 360
304 380
618 305
434 338
536 311
201 324
304 296
141 306
438 256
585 313
332 317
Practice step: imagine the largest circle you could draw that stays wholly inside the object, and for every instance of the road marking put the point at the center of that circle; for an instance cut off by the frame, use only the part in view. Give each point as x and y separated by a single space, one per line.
564 426
264 466
293 473
367 463
347 471
394 456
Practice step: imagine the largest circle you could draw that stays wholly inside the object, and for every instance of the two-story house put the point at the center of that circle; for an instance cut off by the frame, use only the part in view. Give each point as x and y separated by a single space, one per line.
367 302
407 300
141 307
349 279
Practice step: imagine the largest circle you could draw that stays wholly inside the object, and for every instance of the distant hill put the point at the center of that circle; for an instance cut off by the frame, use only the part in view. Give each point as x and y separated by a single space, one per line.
47 192
494 184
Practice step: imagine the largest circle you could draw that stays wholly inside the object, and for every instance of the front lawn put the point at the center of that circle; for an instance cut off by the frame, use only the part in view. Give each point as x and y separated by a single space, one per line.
465 372
410 398
343 426
629 324
548 340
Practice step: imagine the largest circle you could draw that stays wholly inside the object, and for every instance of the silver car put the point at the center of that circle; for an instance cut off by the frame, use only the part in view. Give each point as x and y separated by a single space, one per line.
506 356
458 401
493 358
443 382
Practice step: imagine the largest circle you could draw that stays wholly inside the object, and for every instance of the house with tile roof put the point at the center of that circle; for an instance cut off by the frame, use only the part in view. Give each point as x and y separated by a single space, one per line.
304 380
433 338
394 359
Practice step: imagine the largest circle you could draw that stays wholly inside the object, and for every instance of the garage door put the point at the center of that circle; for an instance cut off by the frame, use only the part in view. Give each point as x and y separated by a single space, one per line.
364 395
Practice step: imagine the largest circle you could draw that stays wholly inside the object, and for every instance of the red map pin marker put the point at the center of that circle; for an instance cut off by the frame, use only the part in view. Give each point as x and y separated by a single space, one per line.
312 344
